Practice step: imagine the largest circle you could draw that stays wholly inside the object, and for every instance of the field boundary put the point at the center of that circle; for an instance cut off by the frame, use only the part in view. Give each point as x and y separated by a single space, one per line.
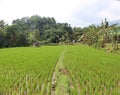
60 83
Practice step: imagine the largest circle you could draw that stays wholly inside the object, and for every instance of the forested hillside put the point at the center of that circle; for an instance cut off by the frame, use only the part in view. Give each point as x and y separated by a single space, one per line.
45 30
27 30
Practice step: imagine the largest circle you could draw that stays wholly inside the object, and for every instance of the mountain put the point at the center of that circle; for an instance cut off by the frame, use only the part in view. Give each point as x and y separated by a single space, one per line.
110 23
114 22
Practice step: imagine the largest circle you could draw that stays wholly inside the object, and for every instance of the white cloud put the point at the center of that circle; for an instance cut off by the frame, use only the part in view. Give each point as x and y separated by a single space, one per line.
18 8
112 12
75 12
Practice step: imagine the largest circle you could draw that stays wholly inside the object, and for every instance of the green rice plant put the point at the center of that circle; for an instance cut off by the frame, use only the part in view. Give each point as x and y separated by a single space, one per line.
29 70
24 70
97 72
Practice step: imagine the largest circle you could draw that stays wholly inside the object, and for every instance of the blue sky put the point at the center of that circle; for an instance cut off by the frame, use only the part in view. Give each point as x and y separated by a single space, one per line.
75 12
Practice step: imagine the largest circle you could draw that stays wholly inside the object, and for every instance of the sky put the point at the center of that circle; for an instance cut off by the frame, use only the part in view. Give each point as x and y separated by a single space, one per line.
78 13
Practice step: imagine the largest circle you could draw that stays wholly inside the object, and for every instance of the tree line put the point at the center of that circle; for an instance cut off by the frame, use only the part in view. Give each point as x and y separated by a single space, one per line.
27 30
98 36
45 30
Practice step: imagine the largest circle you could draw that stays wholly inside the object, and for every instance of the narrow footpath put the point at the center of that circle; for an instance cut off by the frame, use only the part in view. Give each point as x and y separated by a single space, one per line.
60 80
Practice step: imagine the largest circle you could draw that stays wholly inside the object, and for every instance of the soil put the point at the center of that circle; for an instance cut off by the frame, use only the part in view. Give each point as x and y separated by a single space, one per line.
63 71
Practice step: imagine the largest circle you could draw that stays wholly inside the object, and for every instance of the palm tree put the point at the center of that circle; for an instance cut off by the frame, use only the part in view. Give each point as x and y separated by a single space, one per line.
31 38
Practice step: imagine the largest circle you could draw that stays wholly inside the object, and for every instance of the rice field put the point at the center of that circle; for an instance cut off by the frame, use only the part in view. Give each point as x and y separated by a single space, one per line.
29 70
92 72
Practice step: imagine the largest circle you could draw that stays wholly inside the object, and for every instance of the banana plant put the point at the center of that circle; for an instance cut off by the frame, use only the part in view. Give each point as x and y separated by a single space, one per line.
105 30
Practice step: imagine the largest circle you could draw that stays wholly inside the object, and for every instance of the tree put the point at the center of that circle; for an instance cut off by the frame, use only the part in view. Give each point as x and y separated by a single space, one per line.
28 30
90 36
105 30
114 35
12 34
31 38
77 33
2 36
51 36
2 24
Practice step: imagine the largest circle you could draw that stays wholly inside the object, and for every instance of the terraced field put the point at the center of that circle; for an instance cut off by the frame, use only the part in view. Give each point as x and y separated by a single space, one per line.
59 70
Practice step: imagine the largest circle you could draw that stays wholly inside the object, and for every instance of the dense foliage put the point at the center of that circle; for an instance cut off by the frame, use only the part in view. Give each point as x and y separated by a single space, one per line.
98 36
28 30
44 30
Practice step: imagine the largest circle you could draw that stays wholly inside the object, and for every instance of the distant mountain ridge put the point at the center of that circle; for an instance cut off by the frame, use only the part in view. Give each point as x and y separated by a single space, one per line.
111 22
115 22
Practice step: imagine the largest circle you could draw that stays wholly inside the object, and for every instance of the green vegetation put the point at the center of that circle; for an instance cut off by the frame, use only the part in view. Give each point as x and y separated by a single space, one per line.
59 70
98 36
36 30
27 71
78 69
29 30
92 72
62 85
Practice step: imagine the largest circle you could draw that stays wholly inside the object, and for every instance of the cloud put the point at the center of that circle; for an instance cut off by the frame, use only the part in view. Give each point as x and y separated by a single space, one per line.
112 12
90 12
75 12
18 8
94 12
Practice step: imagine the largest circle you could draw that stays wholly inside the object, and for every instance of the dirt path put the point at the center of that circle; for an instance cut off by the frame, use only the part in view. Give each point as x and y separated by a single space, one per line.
60 82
